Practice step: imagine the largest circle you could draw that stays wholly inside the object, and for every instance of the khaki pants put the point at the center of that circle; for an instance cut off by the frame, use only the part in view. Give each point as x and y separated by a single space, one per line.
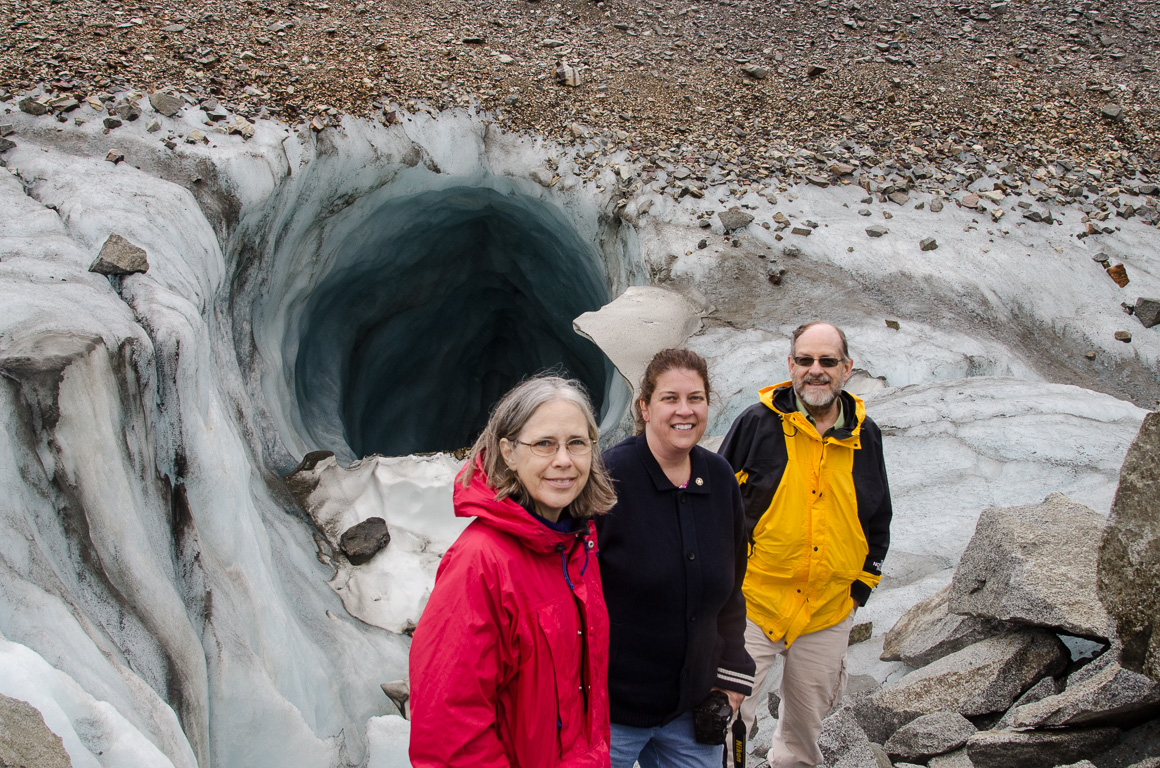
812 683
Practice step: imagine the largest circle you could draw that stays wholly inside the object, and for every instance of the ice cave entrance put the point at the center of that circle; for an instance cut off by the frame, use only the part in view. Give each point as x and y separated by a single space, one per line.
436 305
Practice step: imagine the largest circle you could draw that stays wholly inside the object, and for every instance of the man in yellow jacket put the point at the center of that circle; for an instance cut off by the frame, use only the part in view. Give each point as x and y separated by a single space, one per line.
817 503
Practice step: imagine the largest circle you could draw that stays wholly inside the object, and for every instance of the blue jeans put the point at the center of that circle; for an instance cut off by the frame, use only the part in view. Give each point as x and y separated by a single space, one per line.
671 745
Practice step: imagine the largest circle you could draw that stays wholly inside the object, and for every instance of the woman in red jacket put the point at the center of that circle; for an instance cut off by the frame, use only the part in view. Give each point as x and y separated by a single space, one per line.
509 662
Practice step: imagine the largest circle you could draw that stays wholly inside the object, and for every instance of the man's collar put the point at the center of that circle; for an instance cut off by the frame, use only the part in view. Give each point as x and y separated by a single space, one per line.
838 424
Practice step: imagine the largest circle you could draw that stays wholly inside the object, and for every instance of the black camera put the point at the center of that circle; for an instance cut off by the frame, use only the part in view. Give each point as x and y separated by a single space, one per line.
711 718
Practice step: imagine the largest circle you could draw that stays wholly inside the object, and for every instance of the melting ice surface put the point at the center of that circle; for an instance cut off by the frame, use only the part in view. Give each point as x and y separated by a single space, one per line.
164 601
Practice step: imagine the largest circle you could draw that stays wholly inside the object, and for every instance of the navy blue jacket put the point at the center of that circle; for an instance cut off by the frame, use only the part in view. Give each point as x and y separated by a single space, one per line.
672 561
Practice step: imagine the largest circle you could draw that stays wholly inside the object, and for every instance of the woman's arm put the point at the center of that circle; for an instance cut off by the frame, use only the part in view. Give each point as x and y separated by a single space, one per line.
460 660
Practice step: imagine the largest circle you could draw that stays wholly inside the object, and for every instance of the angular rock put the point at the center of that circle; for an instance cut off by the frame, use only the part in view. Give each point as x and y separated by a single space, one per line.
166 103
1119 273
734 218
32 106
363 541
802 231
814 70
929 631
936 205
860 633
755 71
928 244
25 739
843 742
119 257
1129 554
929 735
1111 695
1147 311
899 198
1113 112
1048 686
568 75
956 759
1035 565
980 679
1037 749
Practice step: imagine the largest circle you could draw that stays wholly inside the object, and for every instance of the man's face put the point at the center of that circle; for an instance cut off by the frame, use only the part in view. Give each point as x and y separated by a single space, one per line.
817 385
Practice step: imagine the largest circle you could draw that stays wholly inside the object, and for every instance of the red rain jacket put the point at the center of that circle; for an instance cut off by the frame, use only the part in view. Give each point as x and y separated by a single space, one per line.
509 663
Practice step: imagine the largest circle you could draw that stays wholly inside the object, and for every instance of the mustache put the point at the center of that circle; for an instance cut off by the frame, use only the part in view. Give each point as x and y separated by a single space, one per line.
821 379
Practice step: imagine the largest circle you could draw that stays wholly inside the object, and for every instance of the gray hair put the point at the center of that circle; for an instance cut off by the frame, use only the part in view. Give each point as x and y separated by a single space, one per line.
507 420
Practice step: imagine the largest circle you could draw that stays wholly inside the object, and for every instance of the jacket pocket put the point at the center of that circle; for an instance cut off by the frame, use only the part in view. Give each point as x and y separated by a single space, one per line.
560 636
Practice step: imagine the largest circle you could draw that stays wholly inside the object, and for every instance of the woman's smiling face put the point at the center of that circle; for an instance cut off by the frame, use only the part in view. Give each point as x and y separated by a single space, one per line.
552 482
677 413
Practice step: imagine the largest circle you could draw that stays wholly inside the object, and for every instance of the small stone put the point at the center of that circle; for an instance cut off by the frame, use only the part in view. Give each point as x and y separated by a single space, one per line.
553 43
704 224
860 633
755 71
702 244
734 218
928 244
195 135
887 215
475 40
877 230
1090 355
568 75
900 198
153 126
119 257
803 231
1120 274
111 122
893 325
842 169
363 541
5 145
1123 336
815 70
506 60
818 181
970 200
31 106
1113 112
936 205
114 156
1147 311
863 211
166 103
127 110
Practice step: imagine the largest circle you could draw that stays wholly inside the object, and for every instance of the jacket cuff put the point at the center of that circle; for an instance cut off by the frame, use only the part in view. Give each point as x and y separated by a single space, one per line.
860 591
730 680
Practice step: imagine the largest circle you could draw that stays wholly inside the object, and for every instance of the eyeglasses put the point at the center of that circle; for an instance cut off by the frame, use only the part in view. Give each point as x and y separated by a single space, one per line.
826 362
577 446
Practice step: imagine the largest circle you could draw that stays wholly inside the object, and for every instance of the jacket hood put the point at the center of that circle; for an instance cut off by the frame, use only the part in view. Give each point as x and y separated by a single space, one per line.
477 499
780 399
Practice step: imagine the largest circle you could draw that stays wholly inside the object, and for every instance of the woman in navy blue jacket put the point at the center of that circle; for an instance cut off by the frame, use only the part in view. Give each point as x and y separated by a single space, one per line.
673 553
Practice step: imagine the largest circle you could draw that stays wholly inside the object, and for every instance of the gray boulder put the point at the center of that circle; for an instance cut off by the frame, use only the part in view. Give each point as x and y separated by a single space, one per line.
956 759
734 218
166 103
930 735
1048 686
929 631
25 740
843 742
119 257
363 541
981 679
1129 556
1036 565
1037 749
1110 695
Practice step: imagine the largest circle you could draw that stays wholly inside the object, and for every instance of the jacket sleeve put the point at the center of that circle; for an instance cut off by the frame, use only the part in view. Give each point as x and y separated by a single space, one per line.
460 660
875 522
735 672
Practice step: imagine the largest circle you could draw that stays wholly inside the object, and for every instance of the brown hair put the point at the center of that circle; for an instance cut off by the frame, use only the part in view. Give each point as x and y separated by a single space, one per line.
803 328
508 418
663 361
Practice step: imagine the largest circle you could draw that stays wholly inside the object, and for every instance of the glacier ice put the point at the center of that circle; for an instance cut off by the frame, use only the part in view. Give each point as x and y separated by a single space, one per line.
161 589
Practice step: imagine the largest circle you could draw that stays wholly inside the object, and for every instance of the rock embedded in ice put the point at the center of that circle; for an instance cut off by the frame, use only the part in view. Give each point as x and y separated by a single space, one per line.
734 218
166 103
1147 311
120 257
1034 565
364 540
25 740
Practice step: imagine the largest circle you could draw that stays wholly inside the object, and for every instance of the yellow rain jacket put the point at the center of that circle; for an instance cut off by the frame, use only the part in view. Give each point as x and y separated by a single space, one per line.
818 511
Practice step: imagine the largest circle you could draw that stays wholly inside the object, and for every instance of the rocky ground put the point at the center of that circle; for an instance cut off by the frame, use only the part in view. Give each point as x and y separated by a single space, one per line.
1061 96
